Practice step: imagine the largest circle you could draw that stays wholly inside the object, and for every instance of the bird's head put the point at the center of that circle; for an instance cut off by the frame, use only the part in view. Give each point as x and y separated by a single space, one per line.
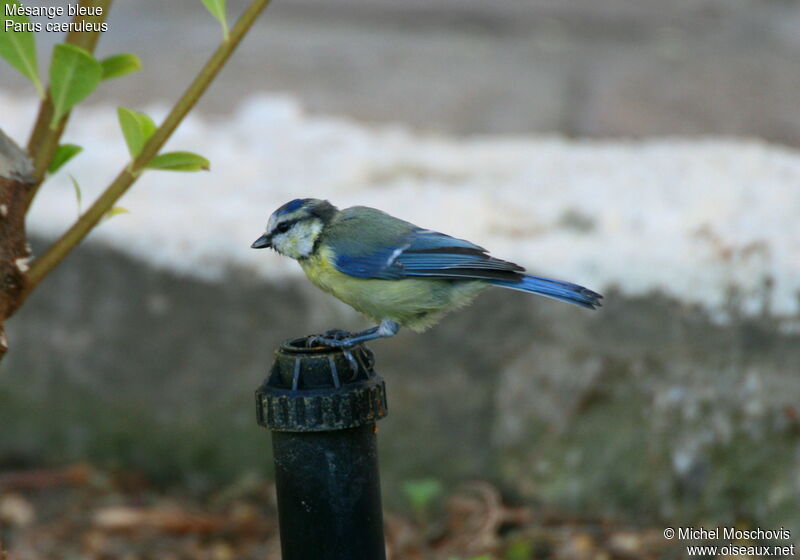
293 229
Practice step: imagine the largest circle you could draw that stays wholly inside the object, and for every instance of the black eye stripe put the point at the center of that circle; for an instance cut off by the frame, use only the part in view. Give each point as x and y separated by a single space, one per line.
283 227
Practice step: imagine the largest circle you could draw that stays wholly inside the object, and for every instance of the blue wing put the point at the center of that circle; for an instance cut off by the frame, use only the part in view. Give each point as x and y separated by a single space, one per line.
422 253
371 244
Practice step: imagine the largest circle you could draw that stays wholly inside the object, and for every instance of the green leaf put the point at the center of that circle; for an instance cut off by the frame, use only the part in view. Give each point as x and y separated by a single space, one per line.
74 73
64 153
18 44
179 161
137 128
421 493
120 65
115 211
217 9
77 188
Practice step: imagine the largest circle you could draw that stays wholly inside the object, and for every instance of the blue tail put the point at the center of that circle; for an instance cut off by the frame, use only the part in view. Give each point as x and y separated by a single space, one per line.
556 289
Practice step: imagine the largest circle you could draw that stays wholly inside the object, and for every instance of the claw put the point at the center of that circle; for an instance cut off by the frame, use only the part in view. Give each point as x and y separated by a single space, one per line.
312 341
352 361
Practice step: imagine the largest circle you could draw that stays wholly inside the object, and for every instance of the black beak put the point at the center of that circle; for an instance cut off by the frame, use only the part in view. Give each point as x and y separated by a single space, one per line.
262 242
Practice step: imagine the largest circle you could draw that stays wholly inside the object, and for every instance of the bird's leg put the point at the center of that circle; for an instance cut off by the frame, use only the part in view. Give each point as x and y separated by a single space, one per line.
386 329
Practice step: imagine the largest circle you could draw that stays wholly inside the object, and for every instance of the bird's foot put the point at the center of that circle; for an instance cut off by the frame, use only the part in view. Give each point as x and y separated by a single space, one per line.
337 334
343 339
338 338
335 338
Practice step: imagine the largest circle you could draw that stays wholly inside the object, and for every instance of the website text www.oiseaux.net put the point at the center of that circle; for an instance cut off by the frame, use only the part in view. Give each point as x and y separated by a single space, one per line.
740 541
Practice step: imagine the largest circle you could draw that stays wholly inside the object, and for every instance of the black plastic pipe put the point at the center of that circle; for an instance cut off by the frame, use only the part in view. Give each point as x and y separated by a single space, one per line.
322 407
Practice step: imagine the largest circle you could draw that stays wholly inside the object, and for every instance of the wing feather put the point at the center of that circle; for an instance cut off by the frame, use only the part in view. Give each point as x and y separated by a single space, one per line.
392 250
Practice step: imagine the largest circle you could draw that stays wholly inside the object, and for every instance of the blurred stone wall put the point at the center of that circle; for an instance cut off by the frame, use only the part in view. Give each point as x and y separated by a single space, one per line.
645 408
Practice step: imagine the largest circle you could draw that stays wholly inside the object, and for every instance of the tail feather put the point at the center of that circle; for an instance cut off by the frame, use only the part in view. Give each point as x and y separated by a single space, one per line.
556 289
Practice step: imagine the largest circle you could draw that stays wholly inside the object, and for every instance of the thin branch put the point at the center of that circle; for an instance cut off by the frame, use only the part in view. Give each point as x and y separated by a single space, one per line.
80 229
43 142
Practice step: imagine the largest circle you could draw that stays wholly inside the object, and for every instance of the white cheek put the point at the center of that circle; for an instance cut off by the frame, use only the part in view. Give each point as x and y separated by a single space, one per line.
294 246
305 242
297 243
305 245
280 243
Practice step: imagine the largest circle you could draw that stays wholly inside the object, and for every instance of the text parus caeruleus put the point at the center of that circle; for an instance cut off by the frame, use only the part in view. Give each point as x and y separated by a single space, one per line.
393 271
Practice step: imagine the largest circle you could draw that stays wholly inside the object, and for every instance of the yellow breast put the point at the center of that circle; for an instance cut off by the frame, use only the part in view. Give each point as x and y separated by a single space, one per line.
366 295
415 303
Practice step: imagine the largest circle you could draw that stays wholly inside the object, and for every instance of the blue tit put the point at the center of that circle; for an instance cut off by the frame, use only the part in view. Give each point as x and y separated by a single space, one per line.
393 271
